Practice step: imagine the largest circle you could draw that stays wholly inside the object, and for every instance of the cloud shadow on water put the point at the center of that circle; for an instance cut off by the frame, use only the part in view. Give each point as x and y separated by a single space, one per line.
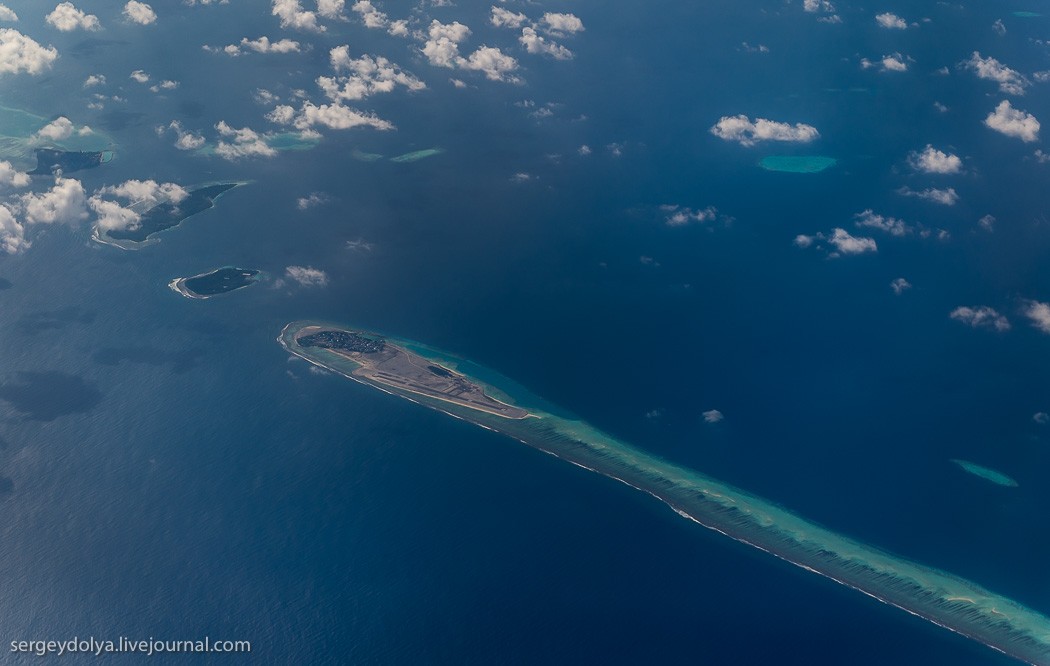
37 322
45 396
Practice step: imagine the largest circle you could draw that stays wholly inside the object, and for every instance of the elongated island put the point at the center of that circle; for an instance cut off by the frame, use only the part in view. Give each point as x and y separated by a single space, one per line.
163 216
476 394
215 283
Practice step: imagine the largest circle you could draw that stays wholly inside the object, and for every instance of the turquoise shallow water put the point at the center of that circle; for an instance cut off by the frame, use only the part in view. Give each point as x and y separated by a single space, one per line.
797 163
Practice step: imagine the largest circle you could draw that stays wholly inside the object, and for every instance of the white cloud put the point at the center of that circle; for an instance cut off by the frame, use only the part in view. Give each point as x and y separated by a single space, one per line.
931 160
987 222
535 43
19 53
503 18
307 276
814 6
262 45
185 140
139 76
441 47
1039 314
11 177
677 216
331 116
64 203
139 12
148 193
292 15
900 285
894 63
558 24
1042 418
1010 80
166 84
584 150
980 316
244 142
944 196
7 14
847 244
999 27
95 80
890 225
312 200
110 215
891 21
370 16
60 129
12 232
493 63
66 17
1013 122
331 9
747 133
366 76
713 416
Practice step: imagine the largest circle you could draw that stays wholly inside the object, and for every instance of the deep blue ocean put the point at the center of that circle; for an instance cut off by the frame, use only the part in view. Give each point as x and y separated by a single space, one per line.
173 473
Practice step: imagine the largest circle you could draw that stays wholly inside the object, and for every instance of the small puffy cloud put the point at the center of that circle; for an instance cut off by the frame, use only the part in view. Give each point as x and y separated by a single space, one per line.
944 196
19 53
184 139
713 416
7 14
442 45
312 200
148 193
841 242
559 24
894 63
365 76
931 160
891 225
11 177
999 27
1010 80
845 243
742 130
66 17
139 12
891 21
139 76
292 15
677 216
166 84
900 285
1039 314
60 129
331 9
262 45
504 18
307 276
980 316
1013 122
64 203
536 43
584 150
12 232
95 80
140 194
815 6
987 223
493 63
332 116
1042 418
241 143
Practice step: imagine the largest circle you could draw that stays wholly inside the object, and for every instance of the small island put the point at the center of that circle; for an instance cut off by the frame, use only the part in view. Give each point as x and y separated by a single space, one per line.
164 216
52 161
374 360
215 283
